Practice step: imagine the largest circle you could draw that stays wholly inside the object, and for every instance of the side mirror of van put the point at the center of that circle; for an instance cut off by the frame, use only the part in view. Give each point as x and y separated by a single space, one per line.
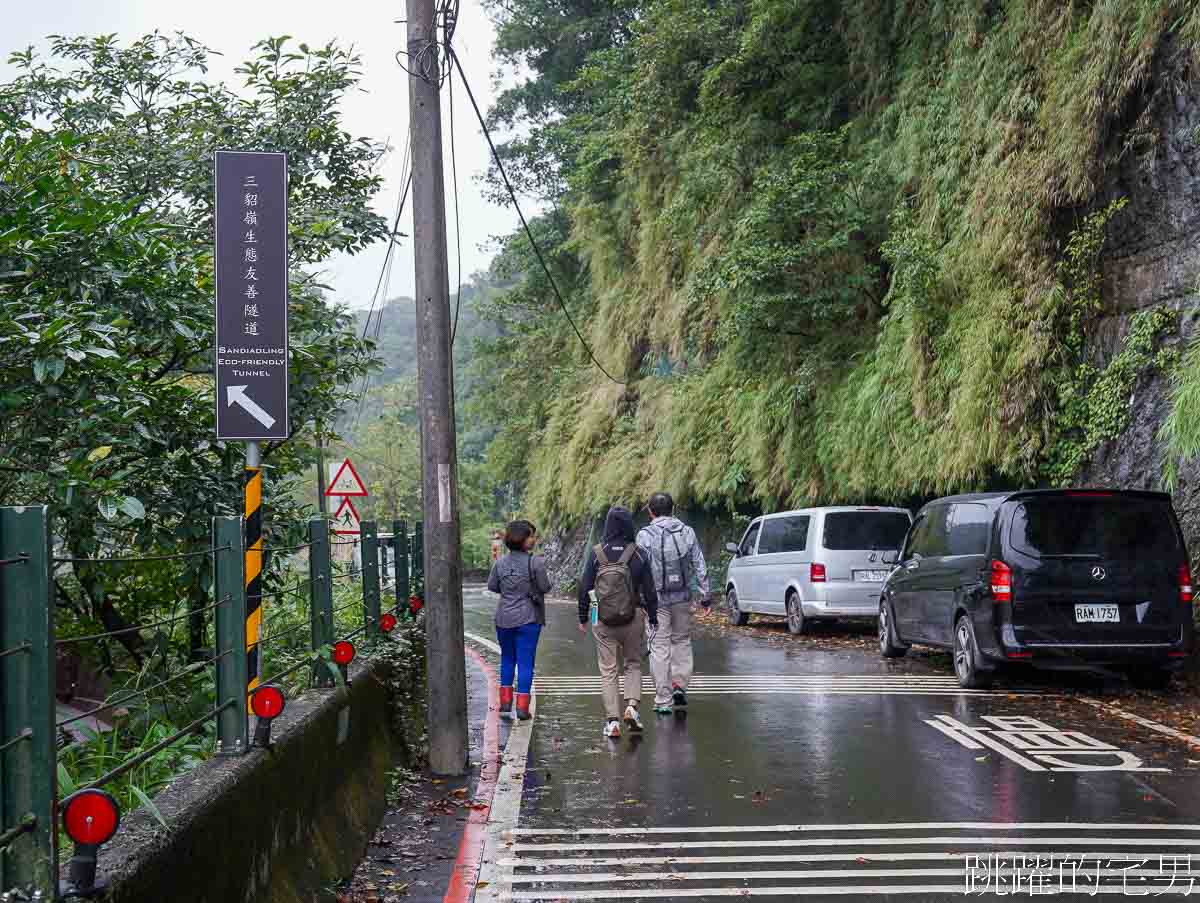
890 557
732 548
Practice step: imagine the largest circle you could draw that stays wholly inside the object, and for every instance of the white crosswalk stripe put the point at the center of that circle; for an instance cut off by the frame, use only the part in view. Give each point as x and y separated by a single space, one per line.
854 860
796 684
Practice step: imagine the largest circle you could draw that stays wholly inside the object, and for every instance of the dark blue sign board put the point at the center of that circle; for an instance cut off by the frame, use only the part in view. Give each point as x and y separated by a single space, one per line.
252 295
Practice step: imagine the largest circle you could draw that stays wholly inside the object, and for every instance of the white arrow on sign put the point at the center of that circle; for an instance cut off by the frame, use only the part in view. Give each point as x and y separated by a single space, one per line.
237 395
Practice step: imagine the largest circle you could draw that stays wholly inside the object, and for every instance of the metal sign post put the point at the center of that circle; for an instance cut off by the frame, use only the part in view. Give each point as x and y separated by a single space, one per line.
251 365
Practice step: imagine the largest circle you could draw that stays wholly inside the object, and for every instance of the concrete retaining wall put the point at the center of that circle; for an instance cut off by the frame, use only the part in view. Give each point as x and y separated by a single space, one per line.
275 826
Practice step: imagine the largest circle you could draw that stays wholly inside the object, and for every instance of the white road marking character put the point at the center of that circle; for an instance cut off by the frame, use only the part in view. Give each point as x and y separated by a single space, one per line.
1037 746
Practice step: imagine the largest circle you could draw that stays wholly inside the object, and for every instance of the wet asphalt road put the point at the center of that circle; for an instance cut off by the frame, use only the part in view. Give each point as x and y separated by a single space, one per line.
806 774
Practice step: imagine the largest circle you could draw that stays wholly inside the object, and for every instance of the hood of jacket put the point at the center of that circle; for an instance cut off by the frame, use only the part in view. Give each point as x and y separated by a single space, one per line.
618 526
669 524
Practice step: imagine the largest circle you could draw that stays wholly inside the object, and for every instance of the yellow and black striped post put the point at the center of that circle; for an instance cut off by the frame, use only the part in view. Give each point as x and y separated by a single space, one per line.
253 547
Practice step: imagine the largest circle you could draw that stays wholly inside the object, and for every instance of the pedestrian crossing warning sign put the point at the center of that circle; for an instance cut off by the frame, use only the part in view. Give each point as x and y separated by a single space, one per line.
345 480
345 520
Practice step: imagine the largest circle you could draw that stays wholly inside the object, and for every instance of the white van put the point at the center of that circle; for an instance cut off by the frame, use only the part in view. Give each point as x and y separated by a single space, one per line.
813 563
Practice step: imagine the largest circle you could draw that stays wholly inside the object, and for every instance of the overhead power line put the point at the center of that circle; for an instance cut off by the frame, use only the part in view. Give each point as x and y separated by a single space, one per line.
524 223
385 275
457 218
405 167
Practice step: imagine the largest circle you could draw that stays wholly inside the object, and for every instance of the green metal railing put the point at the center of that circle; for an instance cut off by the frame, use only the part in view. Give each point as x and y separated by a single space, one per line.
29 727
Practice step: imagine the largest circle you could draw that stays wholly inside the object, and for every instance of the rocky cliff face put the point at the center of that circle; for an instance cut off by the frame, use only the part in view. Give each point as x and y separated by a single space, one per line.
1153 260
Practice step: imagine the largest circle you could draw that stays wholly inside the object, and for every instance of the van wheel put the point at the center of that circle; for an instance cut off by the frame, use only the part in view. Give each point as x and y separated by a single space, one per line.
1149 678
889 647
965 667
796 622
737 617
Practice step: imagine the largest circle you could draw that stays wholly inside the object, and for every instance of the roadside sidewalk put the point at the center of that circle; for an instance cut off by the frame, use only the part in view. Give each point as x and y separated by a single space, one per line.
428 847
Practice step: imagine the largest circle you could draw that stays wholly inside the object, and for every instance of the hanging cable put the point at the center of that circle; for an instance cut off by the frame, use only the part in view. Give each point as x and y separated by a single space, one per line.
457 218
524 223
386 276
384 282
405 166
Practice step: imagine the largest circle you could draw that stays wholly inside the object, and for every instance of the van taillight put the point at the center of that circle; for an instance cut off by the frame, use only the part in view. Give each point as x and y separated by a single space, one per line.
1001 582
1185 584
816 573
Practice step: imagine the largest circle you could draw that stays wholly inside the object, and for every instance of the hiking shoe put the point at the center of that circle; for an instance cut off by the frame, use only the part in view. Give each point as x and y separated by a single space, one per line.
680 696
633 719
612 729
667 709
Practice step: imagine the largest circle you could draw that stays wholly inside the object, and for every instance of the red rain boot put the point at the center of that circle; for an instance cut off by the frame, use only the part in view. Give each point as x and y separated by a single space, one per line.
506 702
523 707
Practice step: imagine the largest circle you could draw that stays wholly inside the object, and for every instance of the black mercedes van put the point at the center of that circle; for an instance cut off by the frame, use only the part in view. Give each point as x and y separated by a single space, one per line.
1053 578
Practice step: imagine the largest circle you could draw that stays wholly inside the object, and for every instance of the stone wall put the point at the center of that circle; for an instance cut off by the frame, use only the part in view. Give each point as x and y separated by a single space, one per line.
281 825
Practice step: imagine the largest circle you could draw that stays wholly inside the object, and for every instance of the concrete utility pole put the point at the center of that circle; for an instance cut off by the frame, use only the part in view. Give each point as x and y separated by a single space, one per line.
444 660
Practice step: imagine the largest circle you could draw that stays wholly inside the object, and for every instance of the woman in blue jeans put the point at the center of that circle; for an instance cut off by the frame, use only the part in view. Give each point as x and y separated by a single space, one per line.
521 580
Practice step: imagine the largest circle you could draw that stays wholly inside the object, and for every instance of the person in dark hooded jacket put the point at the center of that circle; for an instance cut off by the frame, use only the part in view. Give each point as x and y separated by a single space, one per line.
618 642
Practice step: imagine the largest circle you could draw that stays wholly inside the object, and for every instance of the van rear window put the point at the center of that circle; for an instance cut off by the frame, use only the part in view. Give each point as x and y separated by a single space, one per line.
1111 528
858 530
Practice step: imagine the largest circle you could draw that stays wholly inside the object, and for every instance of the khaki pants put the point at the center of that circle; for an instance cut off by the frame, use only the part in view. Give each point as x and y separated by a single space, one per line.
614 644
671 652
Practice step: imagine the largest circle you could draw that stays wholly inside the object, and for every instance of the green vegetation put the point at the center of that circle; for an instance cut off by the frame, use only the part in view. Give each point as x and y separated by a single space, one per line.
833 250
106 393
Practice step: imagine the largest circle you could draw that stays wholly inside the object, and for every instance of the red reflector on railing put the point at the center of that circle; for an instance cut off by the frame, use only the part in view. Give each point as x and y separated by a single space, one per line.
343 652
267 702
90 817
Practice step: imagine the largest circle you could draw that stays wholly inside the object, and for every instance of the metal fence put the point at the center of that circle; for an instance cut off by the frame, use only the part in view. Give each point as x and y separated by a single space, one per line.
29 724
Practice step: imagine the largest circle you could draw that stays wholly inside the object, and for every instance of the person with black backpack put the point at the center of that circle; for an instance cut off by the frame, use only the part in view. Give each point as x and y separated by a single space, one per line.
617 596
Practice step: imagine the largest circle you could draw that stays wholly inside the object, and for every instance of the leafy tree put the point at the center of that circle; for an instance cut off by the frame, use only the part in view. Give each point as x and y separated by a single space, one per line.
106 292
550 39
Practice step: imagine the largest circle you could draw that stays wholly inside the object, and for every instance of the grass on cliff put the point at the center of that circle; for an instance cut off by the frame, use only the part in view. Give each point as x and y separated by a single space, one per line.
875 309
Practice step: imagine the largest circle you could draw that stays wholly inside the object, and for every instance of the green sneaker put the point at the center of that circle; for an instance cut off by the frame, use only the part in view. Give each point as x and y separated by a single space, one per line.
667 709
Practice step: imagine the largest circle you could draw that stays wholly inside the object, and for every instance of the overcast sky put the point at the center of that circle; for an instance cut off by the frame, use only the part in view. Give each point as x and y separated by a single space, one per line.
380 112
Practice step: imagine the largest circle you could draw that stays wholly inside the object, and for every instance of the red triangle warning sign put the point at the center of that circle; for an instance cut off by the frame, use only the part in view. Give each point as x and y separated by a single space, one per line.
346 520
346 481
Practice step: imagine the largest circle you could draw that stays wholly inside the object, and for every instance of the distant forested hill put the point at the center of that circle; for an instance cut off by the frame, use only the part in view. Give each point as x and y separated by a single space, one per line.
380 433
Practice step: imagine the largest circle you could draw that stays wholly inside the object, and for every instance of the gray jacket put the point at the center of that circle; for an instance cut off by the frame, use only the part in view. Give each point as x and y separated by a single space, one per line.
675 558
522 582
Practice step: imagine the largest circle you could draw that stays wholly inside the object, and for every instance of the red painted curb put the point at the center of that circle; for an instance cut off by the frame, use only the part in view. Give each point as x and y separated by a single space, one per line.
470 849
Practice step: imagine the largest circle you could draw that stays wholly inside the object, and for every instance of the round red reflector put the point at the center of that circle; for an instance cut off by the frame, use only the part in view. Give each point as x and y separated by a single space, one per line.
267 702
387 623
90 817
343 652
